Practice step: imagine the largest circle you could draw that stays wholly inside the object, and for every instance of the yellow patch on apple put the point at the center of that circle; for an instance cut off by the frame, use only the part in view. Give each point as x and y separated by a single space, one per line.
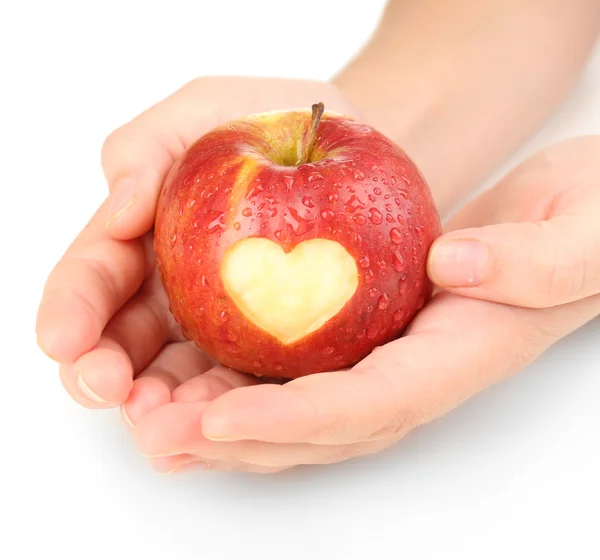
289 295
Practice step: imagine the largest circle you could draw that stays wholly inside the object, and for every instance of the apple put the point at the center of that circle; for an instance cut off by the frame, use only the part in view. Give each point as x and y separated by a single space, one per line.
294 242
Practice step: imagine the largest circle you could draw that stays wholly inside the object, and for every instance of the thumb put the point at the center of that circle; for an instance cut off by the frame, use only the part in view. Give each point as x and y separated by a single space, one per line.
529 264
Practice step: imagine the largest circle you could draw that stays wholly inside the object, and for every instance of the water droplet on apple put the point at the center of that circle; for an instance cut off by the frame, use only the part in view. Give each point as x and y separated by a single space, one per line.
389 218
395 236
375 179
372 331
332 197
369 276
217 223
354 204
393 180
191 202
400 219
350 189
370 309
405 180
223 316
365 262
315 176
308 202
375 216
298 224
384 301
279 235
359 175
371 198
328 350
204 281
398 316
377 191
327 214
373 292
288 182
388 207
360 219
247 212
398 262
382 264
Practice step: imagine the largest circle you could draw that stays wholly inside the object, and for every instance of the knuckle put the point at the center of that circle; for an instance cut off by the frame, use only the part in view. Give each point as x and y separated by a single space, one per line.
112 144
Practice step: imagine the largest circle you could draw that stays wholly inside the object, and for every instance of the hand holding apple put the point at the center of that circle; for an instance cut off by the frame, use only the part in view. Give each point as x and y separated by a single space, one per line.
293 242
455 347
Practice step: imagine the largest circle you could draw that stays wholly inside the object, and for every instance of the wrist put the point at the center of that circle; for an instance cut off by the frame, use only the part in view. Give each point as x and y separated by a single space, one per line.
410 117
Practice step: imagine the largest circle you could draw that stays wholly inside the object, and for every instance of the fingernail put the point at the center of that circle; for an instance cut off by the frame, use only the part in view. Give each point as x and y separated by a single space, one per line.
43 349
121 199
216 429
190 466
126 417
458 263
87 391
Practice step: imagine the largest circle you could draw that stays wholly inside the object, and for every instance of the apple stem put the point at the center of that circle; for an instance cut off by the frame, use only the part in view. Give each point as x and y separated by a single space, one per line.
309 141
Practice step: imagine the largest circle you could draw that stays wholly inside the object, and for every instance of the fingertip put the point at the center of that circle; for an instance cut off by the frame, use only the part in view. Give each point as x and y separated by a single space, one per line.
131 208
105 376
458 263
169 429
65 329
147 394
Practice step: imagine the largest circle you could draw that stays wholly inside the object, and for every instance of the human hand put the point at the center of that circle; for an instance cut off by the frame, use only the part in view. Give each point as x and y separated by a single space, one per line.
104 315
543 235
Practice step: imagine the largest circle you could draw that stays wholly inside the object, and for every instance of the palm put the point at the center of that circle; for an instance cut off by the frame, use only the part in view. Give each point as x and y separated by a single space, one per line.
336 415
104 315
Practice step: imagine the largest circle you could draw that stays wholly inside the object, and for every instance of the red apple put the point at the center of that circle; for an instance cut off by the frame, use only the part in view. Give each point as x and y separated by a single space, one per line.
291 243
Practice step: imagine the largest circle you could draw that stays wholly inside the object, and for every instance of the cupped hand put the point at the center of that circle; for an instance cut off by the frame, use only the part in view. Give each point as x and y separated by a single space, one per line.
519 269
104 315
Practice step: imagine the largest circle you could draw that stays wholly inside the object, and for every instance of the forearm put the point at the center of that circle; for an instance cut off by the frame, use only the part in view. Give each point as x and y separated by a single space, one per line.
461 83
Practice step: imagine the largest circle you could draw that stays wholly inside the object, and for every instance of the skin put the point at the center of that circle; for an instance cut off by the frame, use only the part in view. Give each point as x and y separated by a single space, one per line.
537 281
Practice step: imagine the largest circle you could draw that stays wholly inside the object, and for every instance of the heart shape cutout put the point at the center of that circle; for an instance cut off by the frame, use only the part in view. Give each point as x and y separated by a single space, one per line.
289 295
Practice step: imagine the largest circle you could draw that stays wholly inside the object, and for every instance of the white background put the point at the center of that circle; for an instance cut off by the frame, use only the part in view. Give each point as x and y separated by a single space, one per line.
511 474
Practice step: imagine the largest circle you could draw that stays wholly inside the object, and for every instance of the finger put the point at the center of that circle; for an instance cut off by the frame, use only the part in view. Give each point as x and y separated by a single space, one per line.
104 375
403 384
174 365
212 384
95 277
137 156
174 431
190 463
180 373
531 264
